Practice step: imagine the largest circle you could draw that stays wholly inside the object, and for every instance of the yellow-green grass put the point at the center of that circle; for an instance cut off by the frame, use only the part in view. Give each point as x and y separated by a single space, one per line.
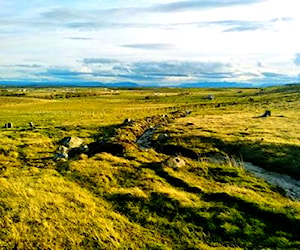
135 200
42 210
271 142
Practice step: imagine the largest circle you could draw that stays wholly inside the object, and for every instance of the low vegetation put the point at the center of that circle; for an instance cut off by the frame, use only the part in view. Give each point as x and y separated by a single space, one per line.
187 190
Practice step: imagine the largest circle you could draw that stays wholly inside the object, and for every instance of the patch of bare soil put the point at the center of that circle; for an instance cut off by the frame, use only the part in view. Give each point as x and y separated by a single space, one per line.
288 184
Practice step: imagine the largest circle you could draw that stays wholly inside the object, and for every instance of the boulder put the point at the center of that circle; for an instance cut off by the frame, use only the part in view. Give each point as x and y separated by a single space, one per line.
8 125
175 162
163 137
266 114
71 142
128 121
210 97
61 153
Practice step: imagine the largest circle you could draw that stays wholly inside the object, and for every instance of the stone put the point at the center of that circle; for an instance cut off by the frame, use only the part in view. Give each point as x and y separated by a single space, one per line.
128 121
163 137
210 97
266 114
188 112
175 162
61 153
8 125
71 142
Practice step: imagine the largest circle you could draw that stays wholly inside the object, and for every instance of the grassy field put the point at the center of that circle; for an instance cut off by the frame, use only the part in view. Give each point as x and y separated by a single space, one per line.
118 195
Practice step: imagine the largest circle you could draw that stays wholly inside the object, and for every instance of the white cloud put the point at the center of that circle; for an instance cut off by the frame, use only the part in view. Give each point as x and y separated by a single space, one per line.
237 33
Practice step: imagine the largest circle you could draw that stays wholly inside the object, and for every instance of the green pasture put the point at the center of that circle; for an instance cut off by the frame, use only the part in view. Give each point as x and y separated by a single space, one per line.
135 200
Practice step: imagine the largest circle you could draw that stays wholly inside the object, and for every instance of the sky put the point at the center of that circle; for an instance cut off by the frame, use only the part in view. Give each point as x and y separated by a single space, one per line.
166 42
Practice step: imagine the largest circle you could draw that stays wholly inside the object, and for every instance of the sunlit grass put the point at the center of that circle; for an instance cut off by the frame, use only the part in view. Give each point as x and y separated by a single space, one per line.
135 200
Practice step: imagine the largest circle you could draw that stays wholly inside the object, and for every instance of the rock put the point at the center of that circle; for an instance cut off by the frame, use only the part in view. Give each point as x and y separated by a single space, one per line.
163 137
70 147
8 125
188 112
128 121
61 153
210 97
71 142
175 162
31 124
266 114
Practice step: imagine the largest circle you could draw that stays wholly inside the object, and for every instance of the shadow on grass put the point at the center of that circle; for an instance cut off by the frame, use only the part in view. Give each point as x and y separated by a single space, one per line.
163 215
188 225
174 181
112 148
274 221
282 158
253 225
175 150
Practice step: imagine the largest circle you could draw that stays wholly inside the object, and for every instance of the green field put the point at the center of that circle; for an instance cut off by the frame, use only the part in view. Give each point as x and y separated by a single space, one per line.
118 195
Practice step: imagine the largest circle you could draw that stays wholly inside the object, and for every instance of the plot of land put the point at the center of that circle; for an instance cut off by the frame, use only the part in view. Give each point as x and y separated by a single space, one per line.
154 169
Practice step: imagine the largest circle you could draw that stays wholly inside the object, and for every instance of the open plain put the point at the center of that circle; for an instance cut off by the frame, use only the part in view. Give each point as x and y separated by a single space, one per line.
98 168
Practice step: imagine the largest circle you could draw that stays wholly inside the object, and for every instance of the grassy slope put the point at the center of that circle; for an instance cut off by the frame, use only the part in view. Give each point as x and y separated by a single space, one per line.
135 200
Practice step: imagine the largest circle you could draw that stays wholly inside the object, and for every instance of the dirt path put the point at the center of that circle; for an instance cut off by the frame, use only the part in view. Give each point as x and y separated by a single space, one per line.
288 184
144 136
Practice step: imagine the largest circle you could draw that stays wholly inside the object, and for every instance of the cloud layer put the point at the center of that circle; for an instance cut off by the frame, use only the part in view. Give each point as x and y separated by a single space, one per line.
199 5
107 70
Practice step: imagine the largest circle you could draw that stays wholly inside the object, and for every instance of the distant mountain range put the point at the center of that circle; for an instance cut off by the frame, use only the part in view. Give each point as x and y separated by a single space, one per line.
68 84
130 84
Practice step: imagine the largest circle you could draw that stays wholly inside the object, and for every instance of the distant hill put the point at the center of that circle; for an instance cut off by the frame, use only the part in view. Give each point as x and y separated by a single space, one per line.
134 84
67 84
120 85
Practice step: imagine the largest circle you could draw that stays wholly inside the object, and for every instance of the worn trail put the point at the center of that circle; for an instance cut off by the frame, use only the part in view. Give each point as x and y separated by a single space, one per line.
288 184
